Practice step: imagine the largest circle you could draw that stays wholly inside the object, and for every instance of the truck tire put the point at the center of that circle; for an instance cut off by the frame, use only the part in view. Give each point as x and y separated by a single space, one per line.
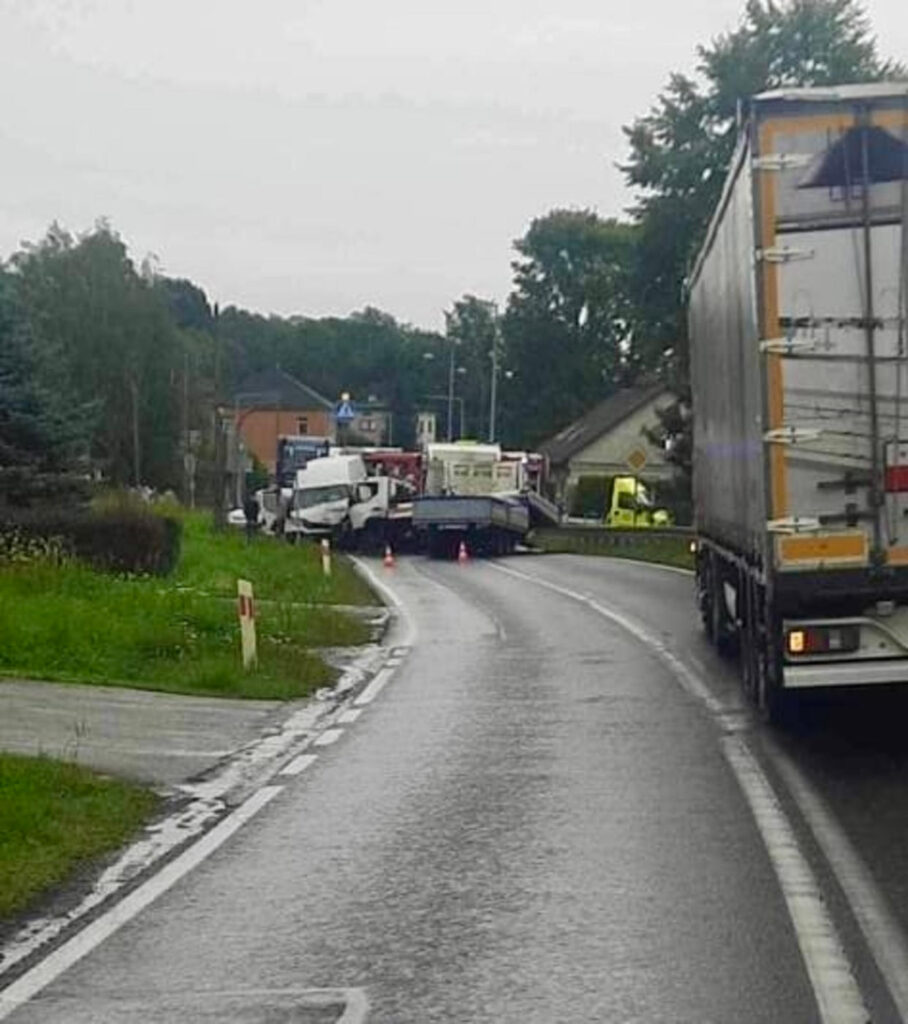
748 639
775 705
720 629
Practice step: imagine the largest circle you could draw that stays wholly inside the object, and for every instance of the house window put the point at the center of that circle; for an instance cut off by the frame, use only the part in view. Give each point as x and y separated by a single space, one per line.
302 424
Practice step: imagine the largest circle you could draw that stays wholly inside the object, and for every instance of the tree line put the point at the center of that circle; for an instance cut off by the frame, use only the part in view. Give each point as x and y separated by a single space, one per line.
116 370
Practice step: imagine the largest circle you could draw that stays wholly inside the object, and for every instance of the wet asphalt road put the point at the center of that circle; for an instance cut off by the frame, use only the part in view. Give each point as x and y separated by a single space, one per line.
533 823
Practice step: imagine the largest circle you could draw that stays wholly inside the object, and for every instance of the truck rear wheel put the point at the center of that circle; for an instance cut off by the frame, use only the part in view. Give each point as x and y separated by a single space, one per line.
775 705
719 627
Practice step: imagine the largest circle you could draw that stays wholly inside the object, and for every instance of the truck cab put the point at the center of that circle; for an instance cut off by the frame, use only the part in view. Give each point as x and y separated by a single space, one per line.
323 493
632 505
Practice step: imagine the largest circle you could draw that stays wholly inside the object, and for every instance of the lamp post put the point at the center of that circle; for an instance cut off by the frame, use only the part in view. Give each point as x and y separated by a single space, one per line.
451 392
450 398
493 390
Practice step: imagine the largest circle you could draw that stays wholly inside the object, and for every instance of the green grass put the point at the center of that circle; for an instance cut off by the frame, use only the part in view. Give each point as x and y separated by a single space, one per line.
211 562
53 818
673 551
180 634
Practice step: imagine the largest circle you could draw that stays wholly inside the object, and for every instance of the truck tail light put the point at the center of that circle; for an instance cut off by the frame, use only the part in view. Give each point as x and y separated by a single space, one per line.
896 479
823 640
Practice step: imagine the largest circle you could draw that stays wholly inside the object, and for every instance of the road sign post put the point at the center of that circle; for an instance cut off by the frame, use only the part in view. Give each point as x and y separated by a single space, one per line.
246 610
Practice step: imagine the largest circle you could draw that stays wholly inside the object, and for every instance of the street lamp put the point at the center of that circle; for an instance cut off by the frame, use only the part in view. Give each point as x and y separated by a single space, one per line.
453 369
496 337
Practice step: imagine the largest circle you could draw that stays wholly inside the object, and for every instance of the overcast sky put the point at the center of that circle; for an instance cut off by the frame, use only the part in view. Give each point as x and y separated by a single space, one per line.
316 156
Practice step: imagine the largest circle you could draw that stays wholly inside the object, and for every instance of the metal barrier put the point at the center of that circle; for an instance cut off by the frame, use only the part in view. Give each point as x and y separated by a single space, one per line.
596 539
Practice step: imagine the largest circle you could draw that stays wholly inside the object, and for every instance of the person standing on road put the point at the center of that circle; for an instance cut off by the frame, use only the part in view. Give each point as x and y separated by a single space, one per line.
251 511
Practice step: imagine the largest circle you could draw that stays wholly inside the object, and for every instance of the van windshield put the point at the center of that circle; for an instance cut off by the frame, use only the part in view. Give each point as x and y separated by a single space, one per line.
319 495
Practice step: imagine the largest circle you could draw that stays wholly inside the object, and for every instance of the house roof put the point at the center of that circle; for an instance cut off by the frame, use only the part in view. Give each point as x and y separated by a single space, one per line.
277 389
598 421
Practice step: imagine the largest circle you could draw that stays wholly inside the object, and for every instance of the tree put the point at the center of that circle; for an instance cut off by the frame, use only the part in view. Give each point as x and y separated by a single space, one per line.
471 325
41 430
680 150
569 325
109 331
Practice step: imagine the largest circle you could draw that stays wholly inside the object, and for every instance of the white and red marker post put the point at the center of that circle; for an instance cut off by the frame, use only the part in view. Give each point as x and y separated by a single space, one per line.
246 610
326 556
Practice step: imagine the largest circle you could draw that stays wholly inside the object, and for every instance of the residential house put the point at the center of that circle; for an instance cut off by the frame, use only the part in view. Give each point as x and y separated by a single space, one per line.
372 423
609 440
274 403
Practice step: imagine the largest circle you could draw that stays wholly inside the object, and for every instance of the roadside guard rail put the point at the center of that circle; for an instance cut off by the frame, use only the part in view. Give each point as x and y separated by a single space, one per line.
597 539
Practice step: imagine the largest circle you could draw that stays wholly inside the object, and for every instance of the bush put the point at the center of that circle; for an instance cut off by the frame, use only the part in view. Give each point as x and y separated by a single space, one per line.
125 541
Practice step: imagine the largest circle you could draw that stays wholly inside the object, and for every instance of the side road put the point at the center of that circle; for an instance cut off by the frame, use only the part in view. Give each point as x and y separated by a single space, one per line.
204 755
161 739
157 738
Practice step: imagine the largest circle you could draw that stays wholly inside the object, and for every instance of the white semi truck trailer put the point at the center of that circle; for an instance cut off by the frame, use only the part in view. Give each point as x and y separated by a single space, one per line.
799 371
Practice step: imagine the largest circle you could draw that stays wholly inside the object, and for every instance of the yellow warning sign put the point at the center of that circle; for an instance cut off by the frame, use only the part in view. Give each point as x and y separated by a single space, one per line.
636 459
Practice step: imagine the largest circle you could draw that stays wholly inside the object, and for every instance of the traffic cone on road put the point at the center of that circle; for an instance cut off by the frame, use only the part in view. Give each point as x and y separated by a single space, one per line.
388 560
462 555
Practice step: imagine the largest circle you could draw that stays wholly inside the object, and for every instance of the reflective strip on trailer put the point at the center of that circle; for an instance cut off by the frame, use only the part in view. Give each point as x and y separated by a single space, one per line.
819 549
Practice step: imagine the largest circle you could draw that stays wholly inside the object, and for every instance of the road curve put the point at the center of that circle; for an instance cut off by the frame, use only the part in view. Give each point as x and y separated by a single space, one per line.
532 821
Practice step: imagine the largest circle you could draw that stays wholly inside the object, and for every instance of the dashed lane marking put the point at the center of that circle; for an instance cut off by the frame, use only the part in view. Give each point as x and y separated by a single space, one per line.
93 934
328 737
349 716
374 688
298 765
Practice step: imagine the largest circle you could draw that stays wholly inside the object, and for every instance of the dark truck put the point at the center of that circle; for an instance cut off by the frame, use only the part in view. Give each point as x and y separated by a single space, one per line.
486 524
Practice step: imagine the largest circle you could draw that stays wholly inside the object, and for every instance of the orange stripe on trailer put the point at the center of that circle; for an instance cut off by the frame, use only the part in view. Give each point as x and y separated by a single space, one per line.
774 380
827 548
897 556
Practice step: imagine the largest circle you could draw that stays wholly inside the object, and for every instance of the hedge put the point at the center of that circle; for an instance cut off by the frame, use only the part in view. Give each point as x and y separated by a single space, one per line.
121 541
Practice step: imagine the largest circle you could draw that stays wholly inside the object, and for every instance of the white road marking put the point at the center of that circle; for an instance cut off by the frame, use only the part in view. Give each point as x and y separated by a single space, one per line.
349 716
327 738
298 765
880 929
838 997
374 688
93 934
353 1000
689 680
407 623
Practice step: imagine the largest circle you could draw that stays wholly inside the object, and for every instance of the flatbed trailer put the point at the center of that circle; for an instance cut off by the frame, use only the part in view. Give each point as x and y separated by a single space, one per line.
486 524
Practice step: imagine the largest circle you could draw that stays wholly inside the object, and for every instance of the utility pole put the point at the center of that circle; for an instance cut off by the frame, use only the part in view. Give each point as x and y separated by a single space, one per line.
451 392
494 388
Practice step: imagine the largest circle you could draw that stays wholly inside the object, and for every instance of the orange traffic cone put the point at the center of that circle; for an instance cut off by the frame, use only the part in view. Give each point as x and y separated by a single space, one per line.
388 560
462 554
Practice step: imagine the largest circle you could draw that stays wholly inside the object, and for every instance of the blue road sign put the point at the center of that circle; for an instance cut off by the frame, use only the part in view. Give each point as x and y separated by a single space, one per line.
345 413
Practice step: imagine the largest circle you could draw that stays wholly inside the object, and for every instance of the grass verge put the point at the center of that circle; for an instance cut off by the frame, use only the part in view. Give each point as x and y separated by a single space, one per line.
56 816
72 624
663 550
211 562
